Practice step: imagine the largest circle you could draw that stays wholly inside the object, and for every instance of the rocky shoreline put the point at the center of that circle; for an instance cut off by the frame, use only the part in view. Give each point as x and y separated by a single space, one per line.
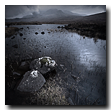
18 86
10 31
88 29
93 30
22 23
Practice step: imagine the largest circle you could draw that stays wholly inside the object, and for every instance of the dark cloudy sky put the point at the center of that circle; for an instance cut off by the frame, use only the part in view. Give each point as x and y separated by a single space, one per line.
18 11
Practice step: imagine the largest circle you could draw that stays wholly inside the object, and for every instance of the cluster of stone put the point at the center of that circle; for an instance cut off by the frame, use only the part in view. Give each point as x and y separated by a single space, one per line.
33 80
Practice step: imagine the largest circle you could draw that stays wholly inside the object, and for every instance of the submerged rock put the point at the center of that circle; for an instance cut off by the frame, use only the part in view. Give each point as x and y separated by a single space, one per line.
24 38
24 65
15 46
32 81
21 28
13 37
36 33
42 32
58 27
21 34
43 64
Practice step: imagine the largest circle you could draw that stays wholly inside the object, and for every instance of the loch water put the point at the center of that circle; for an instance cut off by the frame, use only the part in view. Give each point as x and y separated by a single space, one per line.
81 60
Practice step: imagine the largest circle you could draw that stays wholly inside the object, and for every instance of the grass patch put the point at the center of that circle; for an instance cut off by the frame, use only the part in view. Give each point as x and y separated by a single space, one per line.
10 31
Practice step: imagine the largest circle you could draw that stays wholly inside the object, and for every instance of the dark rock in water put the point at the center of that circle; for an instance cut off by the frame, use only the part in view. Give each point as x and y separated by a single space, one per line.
36 33
24 66
24 38
15 46
48 32
58 27
13 37
42 32
32 81
21 28
8 25
83 37
43 64
62 27
21 34
27 27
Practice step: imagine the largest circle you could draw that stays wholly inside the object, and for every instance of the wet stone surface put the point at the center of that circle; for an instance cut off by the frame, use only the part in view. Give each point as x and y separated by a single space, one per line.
80 77
43 64
32 81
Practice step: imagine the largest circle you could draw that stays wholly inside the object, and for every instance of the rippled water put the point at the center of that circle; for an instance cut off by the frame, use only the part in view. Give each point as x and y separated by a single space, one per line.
76 55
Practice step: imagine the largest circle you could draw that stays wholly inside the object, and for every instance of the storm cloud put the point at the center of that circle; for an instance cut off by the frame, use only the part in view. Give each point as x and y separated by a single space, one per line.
13 11
18 11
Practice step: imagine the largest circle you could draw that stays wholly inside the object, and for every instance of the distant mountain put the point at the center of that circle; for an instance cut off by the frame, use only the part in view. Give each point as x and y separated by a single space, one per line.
98 15
70 13
53 11
34 14
55 15
50 15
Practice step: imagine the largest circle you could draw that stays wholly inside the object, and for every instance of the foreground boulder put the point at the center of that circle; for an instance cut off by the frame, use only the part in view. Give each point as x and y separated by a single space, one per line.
43 64
32 81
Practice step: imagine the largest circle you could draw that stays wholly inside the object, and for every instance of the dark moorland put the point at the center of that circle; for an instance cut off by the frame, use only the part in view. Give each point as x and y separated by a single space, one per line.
90 26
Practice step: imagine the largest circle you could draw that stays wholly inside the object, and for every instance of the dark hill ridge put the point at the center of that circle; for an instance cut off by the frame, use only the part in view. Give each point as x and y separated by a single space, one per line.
100 17
60 16
90 26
